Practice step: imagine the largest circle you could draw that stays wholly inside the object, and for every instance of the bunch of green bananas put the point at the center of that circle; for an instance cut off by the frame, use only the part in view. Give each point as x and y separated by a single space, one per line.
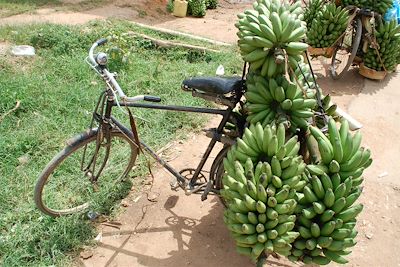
380 6
197 8
268 33
388 39
327 220
328 216
262 173
277 100
340 152
311 11
327 26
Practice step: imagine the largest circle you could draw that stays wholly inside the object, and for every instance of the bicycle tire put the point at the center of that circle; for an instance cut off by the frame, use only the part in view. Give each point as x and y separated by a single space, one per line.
55 169
217 170
354 48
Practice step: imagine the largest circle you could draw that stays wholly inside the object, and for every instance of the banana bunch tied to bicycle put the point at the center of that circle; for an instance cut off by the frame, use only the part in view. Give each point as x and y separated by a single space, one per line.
380 6
311 11
326 23
384 53
289 188
270 36
263 172
327 221
278 100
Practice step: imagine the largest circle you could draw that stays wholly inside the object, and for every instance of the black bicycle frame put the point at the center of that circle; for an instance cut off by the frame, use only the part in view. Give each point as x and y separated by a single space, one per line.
225 113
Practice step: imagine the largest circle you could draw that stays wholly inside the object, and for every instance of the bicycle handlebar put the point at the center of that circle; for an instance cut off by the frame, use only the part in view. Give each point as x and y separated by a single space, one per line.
152 98
110 80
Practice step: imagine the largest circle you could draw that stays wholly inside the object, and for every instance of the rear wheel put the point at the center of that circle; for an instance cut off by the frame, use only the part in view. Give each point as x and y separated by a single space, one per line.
217 170
346 49
85 171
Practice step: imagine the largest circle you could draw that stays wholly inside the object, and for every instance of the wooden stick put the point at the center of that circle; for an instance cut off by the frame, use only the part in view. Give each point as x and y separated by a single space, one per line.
10 111
176 33
168 44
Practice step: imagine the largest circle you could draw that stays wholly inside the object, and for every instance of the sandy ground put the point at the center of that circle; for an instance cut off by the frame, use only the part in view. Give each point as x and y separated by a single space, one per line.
217 24
180 230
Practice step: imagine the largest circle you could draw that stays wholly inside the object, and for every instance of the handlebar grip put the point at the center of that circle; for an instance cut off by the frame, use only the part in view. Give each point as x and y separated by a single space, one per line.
101 41
151 98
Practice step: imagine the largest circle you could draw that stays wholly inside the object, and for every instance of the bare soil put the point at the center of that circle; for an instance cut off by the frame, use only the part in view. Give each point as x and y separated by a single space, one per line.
217 24
180 230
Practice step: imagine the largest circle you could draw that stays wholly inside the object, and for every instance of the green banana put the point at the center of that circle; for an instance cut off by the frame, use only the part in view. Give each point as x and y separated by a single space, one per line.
334 256
350 213
315 230
327 215
328 228
317 187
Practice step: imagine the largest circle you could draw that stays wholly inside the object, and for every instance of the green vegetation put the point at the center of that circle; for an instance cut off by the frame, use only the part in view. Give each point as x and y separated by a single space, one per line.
197 8
212 4
14 7
9 8
58 92
170 6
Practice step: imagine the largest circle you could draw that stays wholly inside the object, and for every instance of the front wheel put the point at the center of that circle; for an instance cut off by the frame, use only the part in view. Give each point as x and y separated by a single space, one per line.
84 172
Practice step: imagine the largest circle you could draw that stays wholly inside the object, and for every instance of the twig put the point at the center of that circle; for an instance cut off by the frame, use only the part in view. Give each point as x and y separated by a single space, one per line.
168 44
10 111
165 148
112 224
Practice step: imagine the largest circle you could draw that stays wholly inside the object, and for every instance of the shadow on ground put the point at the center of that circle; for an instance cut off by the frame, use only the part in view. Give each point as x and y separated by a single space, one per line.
197 242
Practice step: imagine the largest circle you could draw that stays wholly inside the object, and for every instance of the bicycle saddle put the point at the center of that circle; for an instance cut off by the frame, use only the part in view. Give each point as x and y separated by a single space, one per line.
213 85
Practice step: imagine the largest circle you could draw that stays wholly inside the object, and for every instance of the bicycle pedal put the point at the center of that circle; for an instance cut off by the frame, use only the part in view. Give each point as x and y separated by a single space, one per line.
207 190
174 185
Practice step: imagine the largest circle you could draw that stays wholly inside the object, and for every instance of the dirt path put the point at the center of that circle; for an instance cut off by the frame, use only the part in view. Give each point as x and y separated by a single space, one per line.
178 230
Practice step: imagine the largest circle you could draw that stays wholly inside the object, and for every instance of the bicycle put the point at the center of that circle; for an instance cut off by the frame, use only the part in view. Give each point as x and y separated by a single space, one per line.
347 48
109 150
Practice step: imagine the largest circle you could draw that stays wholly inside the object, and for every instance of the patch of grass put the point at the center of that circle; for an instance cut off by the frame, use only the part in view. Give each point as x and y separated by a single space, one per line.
170 6
10 8
58 93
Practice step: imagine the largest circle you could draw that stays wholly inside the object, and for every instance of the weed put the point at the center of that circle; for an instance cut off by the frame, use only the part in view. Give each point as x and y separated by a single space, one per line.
197 56
170 6
60 40
142 13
